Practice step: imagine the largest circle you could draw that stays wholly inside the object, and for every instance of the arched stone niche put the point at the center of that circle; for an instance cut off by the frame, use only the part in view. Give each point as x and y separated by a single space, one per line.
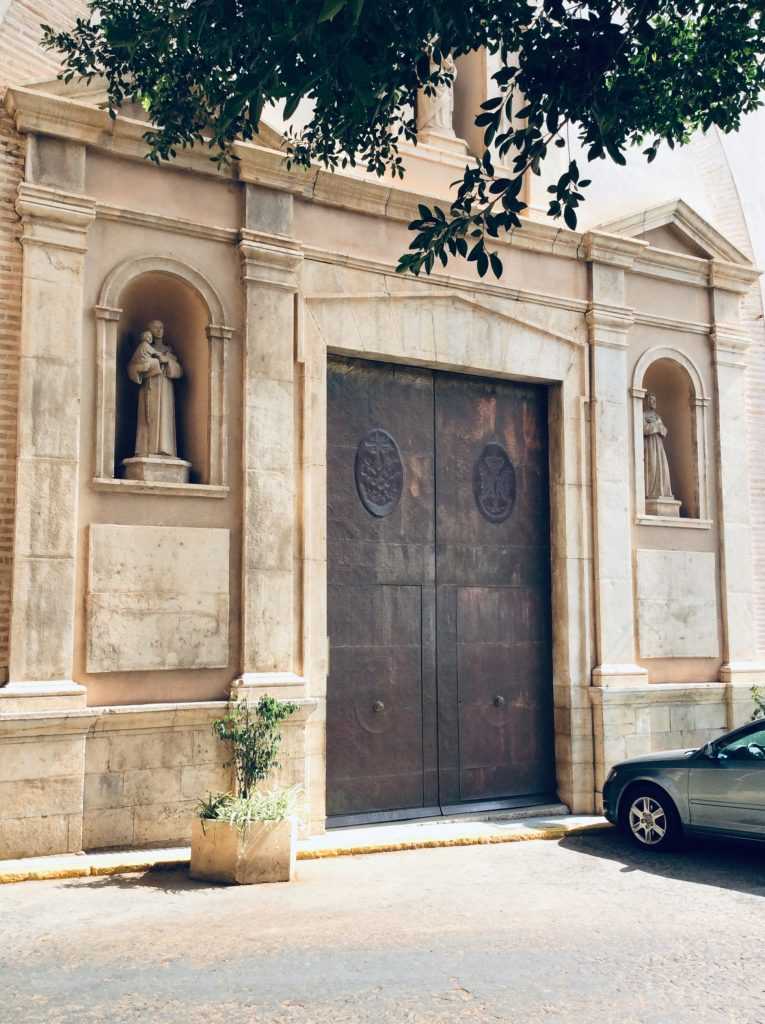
157 288
682 404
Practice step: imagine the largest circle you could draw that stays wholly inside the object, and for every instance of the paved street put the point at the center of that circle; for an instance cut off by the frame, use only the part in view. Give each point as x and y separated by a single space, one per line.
580 930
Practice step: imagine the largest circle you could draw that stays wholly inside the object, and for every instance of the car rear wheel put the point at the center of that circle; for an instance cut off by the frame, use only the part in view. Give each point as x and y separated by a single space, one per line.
650 819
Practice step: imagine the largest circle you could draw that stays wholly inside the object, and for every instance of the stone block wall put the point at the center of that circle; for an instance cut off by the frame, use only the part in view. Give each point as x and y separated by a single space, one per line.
630 721
146 771
126 776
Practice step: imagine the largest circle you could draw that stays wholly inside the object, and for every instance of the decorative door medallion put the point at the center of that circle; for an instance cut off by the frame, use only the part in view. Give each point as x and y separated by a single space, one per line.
379 472
494 483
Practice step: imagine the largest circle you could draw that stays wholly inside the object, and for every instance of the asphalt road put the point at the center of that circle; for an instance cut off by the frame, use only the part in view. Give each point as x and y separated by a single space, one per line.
581 930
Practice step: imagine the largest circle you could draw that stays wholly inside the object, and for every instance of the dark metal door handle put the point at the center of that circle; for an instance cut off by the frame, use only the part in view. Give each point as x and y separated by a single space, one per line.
378 706
499 701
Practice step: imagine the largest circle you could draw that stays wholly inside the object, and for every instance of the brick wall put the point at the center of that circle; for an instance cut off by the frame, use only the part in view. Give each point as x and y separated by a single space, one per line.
21 60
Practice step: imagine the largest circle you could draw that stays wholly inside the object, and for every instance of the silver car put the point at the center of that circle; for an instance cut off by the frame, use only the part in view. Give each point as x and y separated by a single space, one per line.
718 789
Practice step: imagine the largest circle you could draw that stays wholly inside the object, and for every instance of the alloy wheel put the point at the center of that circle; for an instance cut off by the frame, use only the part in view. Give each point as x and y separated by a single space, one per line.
647 820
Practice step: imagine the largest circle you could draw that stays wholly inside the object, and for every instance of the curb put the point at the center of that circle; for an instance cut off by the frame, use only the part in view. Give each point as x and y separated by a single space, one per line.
435 844
145 863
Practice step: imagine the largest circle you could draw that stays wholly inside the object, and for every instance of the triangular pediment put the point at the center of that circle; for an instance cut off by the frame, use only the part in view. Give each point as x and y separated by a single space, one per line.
675 226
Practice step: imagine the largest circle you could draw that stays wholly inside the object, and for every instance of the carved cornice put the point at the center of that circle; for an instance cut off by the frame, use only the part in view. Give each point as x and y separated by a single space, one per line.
614 250
273 260
730 344
107 312
732 277
54 219
609 326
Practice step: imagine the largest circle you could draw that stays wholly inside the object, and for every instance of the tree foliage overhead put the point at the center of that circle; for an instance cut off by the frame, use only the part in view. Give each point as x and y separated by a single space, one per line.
611 74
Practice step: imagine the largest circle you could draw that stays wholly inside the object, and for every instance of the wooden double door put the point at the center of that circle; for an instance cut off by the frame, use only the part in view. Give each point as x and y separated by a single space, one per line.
440 686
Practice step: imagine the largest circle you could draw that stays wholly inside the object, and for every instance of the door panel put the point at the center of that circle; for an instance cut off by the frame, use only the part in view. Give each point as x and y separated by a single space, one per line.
438 524
381 752
493 590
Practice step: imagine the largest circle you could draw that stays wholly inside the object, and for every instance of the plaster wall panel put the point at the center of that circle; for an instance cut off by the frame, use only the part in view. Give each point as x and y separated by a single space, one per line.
157 598
677 604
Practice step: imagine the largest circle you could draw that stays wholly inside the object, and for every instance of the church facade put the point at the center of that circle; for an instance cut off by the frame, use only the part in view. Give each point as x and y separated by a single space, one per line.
491 537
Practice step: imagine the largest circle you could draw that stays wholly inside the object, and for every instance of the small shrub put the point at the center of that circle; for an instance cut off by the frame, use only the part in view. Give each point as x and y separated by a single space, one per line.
273 805
254 735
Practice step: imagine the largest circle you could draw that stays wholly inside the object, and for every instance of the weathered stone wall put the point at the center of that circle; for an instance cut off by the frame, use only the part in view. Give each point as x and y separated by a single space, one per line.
103 777
11 172
22 60
628 722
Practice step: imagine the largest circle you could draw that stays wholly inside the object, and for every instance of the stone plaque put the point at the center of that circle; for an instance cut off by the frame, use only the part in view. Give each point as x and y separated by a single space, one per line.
157 598
677 604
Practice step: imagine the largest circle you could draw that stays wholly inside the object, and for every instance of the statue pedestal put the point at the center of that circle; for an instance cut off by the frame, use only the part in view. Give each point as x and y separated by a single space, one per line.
667 507
442 139
157 469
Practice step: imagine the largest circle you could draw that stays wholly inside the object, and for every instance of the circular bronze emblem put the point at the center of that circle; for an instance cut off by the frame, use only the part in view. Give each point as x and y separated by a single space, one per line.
494 483
379 472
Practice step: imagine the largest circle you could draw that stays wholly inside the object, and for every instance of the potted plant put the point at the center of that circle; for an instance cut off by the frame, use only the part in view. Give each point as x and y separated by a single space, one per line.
249 835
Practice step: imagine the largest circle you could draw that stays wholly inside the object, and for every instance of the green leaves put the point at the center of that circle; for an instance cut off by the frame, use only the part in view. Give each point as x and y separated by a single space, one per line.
254 735
595 77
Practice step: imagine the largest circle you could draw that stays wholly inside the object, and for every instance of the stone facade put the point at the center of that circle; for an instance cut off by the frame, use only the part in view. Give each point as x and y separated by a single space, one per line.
137 607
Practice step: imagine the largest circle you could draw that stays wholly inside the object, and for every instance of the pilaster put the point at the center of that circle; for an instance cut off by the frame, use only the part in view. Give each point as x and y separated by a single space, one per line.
609 322
271 630
730 344
54 240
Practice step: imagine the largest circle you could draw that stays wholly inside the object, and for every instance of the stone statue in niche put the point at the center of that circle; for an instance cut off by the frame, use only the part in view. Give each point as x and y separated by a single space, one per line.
435 113
659 499
154 367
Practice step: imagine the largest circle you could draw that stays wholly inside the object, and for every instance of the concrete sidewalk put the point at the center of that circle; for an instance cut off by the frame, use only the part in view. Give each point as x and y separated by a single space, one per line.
387 838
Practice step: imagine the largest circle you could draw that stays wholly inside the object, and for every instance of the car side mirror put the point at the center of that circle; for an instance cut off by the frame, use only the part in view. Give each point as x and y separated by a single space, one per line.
710 752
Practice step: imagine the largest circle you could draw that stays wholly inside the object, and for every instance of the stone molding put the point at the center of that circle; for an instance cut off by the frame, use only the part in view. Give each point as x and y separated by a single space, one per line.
54 219
438 280
445 295
730 345
271 260
165 224
701 405
611 249
107 312
609 326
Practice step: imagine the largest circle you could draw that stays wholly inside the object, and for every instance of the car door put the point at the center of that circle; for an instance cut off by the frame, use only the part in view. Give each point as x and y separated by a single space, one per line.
727 790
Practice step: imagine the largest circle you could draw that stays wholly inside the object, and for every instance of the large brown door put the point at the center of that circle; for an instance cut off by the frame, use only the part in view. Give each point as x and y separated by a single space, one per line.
440 690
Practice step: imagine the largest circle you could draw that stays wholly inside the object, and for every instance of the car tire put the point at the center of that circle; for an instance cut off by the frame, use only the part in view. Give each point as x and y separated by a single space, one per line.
650 818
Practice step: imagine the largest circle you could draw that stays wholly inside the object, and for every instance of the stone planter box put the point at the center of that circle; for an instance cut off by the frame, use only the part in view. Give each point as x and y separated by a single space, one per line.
263 852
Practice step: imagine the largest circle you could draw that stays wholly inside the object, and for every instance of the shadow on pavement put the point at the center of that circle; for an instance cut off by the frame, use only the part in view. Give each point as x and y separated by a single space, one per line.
167 880
737 866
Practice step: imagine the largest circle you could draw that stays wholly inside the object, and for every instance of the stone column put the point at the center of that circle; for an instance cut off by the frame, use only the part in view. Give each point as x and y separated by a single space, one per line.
271 596
730 342
609 322
54 239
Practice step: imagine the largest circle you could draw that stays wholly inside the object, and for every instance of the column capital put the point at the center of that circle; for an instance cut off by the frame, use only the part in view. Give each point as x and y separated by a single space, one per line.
107 313
732 277
615 250
730 344
273 260
609 326
53 218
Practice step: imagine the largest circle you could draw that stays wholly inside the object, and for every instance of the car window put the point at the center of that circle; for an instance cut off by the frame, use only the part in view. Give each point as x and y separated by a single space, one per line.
750 747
